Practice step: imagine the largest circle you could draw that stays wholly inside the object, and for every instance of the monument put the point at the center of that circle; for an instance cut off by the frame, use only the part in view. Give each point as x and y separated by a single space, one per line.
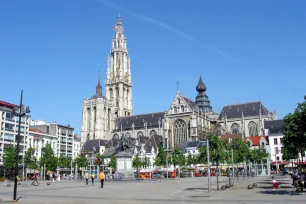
124 160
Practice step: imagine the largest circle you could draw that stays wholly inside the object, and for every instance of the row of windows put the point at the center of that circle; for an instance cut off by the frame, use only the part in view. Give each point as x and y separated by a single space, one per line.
235 129
140 133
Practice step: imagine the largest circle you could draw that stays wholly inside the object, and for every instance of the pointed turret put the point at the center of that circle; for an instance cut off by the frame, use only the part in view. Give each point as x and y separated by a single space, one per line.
201 86
202 99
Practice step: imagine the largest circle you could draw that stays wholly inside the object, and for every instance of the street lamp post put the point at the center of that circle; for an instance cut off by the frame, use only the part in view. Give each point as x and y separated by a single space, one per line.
20 115
208 163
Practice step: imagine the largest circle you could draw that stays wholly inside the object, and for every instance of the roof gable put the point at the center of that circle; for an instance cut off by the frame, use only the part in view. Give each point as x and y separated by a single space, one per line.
180 101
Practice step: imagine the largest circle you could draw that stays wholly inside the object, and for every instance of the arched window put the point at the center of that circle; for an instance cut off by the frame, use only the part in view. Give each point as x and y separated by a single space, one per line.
127 134
253 129
175 110
235 128
88 118
116 136
182 109
180 132
117 92
153 133
178 101
111 94
139 134
218 133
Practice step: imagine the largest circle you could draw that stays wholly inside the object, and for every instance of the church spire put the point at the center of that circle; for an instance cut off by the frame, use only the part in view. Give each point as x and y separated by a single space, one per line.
99 87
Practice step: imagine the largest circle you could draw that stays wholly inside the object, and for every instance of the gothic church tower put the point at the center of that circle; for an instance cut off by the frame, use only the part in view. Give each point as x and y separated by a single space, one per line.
118 81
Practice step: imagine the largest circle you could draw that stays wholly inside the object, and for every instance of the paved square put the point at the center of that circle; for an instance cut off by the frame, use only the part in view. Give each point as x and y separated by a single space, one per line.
185 190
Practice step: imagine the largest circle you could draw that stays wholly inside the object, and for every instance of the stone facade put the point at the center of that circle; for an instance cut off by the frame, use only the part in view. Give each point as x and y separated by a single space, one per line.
99 112
246 119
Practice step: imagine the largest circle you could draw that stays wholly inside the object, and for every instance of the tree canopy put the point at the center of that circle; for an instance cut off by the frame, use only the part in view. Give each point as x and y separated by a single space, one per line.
136 162
9 158
160 159
113 163
295 132
81 161
29 159
48 158
64 161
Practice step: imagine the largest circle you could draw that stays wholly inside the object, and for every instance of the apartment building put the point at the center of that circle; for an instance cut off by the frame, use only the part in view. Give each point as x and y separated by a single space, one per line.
9 129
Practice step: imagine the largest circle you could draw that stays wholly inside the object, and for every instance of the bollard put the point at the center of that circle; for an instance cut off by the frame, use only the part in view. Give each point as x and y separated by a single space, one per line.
48 184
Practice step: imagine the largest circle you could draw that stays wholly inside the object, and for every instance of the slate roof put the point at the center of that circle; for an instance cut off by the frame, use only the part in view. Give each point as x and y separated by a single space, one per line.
112 143
274 126
90 144
98 95
248 109
139 120
191 144
153 142
191 104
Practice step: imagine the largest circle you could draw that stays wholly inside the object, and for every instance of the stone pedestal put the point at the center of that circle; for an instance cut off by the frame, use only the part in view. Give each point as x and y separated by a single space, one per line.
124 166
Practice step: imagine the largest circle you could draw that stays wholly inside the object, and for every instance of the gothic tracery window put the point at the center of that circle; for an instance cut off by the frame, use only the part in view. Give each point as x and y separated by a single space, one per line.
116 136
153 133
180 132
252 129
235 128
127 134
139 134
182 109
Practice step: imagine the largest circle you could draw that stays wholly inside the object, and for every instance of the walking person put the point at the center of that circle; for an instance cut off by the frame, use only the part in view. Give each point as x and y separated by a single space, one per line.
86 176
92 179
102 177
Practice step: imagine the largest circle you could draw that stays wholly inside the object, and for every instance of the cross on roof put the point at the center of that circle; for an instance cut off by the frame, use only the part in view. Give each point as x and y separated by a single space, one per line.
178 85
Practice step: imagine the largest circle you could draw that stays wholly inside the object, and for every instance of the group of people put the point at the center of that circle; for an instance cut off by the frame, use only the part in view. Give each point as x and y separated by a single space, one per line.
298 179
92 176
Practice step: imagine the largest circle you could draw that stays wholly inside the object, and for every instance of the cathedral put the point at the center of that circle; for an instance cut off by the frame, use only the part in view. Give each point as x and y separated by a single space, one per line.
111 116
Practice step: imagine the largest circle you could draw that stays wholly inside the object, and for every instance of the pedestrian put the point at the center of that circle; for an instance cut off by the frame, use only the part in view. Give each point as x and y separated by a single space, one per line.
92 179
102 177
275 184
86 177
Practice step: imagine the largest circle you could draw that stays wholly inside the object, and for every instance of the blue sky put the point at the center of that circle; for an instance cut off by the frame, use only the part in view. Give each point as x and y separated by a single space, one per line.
244 51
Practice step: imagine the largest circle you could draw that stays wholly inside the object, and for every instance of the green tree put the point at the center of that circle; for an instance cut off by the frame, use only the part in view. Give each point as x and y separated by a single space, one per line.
160 159
295 132
190 159
137 163
113 163
9 158
30 160
81 161
48 158
145 162
99 159
64 161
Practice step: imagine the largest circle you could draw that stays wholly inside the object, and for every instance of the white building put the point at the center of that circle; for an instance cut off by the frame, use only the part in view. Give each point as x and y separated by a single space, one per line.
61 138
274 130
9 129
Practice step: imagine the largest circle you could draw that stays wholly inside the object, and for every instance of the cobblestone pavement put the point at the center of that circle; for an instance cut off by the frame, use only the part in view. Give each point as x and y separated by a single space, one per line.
185 190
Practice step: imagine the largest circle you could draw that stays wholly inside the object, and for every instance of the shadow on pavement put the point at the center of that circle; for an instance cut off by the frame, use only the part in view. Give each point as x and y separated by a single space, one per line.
280 192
